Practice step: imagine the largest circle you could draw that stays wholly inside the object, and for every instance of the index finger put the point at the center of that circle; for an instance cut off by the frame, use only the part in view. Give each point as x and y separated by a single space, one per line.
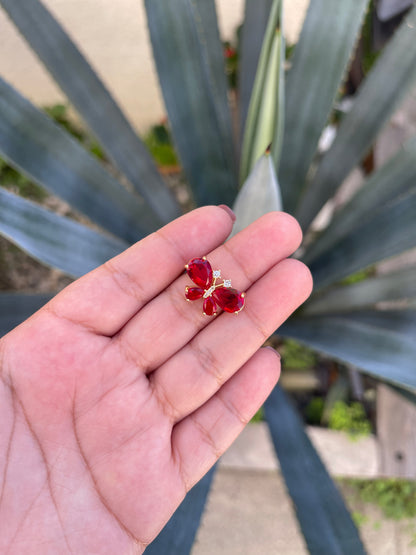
106 298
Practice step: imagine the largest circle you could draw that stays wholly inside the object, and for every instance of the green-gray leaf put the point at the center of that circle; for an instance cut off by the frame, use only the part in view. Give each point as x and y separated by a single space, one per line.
382 343
325 521
387 83
319 63
16 307
395 178
390 231
259 194
264 123
256 17
188 56
59 242
388 287
92 100
34 144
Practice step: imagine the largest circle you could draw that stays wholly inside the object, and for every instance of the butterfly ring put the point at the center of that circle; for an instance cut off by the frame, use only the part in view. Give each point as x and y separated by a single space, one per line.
215 294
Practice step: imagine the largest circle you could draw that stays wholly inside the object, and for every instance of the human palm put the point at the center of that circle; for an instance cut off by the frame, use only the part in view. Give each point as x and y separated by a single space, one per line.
118 395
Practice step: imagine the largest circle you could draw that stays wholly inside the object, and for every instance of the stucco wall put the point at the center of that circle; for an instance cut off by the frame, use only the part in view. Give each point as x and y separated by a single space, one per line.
113 36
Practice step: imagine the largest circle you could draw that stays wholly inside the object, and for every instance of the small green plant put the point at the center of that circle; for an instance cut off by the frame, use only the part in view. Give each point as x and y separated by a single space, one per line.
359 518
259 416
350 418
160 145
396 497
296 355
13 180
231 64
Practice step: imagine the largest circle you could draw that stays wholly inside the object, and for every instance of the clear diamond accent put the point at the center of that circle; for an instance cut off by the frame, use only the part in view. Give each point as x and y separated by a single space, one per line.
217 273
209 291
227 283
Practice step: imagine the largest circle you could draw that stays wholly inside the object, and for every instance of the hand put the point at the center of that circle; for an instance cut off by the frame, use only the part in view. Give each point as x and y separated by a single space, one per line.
118 395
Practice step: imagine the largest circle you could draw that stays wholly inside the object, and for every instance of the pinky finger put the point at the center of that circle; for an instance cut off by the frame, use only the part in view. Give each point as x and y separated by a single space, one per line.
202 437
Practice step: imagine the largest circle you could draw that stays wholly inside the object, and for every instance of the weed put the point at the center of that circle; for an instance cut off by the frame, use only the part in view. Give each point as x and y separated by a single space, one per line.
350 418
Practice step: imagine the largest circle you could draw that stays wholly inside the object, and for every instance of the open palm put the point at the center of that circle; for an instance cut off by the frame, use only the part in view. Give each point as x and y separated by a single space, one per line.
118 395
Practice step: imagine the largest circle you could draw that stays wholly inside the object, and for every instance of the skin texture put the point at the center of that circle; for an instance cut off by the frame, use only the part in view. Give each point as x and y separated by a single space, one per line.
118 395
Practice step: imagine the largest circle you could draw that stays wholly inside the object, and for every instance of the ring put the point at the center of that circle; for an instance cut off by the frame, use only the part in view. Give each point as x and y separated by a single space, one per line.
215 295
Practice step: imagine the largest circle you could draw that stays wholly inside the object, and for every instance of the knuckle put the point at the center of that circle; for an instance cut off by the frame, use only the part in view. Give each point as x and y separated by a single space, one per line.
132 355
164 400
257 324
208 362
232 409
127 283
207 437
243 268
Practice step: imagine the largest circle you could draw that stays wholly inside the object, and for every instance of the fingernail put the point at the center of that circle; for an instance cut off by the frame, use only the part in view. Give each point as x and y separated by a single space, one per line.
274 350
228 210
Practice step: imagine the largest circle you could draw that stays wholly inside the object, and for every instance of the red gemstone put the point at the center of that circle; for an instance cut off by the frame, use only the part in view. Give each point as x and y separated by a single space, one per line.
230 300
200 272
193 293
210 308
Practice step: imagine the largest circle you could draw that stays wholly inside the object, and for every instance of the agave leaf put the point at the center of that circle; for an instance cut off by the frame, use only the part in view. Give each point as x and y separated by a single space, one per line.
277 140
382 343
188 56
259 194
93 101
264 124
33 143
395 178
388 287
390 231
59 242
178 535
386 9
387 83
325 521
16 307
263 134
319 63
256 16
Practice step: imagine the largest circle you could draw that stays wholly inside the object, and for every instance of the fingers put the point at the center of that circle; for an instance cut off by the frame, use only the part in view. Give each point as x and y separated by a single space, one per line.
201 438
106 298
244 259
196 372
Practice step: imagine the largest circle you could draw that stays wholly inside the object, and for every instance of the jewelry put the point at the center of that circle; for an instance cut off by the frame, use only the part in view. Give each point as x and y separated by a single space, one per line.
215 294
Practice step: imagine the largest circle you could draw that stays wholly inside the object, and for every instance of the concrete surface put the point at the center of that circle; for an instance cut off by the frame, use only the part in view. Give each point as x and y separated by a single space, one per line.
253 450
249 512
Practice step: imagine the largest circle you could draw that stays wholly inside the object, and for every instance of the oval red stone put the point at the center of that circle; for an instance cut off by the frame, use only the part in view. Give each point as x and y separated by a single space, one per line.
193 293
200 272
230 300
210 308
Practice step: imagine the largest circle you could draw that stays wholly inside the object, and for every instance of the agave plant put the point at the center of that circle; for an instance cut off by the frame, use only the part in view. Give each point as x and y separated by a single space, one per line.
287 112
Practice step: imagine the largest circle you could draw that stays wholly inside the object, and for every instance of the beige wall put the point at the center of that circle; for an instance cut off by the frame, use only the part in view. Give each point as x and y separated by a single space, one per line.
113 36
